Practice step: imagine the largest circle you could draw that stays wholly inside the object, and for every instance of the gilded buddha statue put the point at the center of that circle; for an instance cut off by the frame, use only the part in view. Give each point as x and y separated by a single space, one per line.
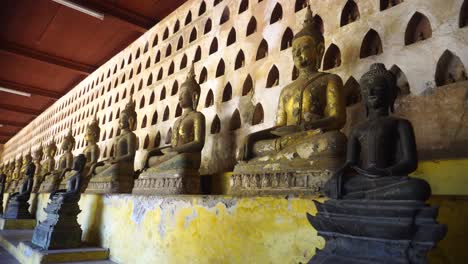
175 169
116 175
9 168
37 159
91 153
51 180
47 166
15 175
299 154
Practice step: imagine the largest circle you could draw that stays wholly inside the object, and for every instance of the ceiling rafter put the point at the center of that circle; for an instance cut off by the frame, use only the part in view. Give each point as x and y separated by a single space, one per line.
20 109
31 89
13 123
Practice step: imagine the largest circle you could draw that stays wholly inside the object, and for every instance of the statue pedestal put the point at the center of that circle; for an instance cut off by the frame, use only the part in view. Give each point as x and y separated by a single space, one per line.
8 224
183 181
17 210
60 230
363 231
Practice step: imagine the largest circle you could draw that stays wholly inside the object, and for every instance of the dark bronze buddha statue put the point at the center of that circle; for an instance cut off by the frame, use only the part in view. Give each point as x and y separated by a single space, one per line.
72 192
381 150
17 206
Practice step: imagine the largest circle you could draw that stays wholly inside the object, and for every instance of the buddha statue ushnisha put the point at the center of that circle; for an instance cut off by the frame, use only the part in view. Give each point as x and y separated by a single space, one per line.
52 179
116 175
91 153
174 169
38 154
381 150
305 147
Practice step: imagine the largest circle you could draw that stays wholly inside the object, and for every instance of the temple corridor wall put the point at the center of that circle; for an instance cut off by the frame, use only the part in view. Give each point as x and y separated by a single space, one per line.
242 59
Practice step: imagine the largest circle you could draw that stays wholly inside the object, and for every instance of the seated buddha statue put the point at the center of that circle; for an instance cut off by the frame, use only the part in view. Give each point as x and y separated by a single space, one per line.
51 179
91 153
47 166
15 176
116 175
306 143
17 205
175 169
37 159
8 170
381 150
2 189
72 192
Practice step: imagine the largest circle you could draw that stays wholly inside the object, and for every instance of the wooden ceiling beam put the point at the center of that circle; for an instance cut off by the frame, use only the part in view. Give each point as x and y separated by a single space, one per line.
30 89
13 123
18 50
6 134
139 22
20 109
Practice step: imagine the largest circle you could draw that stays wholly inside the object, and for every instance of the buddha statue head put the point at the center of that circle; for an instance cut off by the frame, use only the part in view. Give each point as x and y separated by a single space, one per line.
378 89
19 162
38 153
308 45
189 91
92 132
68 142
50 150
128 116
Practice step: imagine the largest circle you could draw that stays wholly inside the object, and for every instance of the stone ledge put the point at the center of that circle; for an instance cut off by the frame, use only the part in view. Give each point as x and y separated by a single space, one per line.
8 224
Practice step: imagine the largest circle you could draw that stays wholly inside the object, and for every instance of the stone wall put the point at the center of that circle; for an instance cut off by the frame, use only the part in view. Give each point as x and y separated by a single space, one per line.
240 96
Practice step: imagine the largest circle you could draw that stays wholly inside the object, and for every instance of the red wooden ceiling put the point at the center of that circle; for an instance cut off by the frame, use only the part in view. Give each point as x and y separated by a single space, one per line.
47 48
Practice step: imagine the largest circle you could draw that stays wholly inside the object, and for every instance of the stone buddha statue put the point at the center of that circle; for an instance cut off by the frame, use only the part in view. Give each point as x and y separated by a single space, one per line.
91 153
17 206
2 189
300 152
381 150
175 169
37 159
47 166
15 176
72 192
51 180
116 175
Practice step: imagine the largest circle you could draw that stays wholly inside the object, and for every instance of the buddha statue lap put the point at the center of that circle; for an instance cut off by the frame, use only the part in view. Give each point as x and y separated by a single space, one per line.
377 213
301 152
61 230
17 205
116 175
51 180
175 169
91 153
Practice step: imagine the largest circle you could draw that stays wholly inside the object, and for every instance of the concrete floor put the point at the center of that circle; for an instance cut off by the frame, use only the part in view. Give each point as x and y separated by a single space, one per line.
6 258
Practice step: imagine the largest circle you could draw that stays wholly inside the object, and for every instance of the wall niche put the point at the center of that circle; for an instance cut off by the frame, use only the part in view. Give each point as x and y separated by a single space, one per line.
371 44
350 13
418 29
450 69
332 58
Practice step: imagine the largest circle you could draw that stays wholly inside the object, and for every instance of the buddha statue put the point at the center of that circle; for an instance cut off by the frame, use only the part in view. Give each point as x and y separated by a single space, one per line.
303 149
47 166
52 179
91 153
17 205
9 168
116 175
14 181
27 158
2 189
175 169
38 154
381 151
377 213
60 230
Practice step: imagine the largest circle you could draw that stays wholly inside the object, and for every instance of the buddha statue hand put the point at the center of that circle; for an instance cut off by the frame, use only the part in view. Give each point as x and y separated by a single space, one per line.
373 171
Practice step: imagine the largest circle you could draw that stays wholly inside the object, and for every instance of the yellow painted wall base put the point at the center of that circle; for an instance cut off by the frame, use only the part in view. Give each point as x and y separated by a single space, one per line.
446 177
6 224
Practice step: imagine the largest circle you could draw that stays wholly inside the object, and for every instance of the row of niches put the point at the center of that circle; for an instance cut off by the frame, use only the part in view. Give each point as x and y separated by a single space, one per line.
419 28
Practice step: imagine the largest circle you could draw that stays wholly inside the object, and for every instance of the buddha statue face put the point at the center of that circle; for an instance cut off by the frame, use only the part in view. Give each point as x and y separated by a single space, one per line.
90 136
307 53
38 154
378 88
187 97
50 150
128 116
27 159
376 95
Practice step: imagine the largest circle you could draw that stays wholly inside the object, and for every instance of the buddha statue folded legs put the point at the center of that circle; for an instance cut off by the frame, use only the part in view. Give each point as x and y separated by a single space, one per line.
299 154
116 175
175 169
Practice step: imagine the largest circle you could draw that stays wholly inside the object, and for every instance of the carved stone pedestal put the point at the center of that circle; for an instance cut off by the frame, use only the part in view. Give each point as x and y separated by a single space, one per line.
60 230
17 210
376 231
184 181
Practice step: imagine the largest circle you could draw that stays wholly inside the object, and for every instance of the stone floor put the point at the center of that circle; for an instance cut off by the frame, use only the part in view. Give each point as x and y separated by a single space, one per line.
6 258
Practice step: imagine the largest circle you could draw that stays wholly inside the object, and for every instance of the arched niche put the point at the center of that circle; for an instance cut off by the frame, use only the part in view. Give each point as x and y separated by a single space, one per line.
386 4
158 57
464 14
154 120
193 35
150 80
166 34
224 16
273 77
213 46
140 85
137 55
162 96
332 58
209 101
160 74
166 114
208 26
277 14
142 102
148 63
215 125
352 91
203 76
371 44
240 60
176 26
178 111
244 5
251 26
286 40
450 69
171 69
157 140
188 18
183 62
248 86
202 8
257 117
350 13
152 97
143 123
155 43
231 37
138 69
197 56
419 28
168 50
299 5
168 137
262 50
180 43
402 81
227 93
220 69
146 142
294 74
235 122
175 88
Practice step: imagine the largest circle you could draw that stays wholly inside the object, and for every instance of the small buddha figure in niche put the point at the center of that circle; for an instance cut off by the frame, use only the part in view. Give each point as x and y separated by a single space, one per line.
38 154
116 175
51 180
176 167
17 205
306 138
14 181
381 150
91 153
